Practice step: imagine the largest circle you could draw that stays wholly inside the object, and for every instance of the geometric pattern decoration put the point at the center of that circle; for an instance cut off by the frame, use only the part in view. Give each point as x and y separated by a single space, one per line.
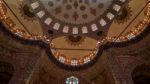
75 40
124 15
26 12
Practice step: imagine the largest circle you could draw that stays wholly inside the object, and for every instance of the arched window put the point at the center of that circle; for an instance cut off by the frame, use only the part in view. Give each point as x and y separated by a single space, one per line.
72 80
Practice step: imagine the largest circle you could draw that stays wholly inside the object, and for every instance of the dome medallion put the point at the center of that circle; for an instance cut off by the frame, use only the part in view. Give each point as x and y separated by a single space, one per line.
76 17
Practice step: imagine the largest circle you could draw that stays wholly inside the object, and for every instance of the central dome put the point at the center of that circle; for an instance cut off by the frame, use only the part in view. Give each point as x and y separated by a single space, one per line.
76 11
76 17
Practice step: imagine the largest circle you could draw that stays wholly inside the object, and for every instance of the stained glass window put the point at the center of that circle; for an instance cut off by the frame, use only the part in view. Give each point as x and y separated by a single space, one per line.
72 80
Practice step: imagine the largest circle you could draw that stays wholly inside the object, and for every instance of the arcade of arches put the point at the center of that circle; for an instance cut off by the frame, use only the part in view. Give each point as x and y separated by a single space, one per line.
74 41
